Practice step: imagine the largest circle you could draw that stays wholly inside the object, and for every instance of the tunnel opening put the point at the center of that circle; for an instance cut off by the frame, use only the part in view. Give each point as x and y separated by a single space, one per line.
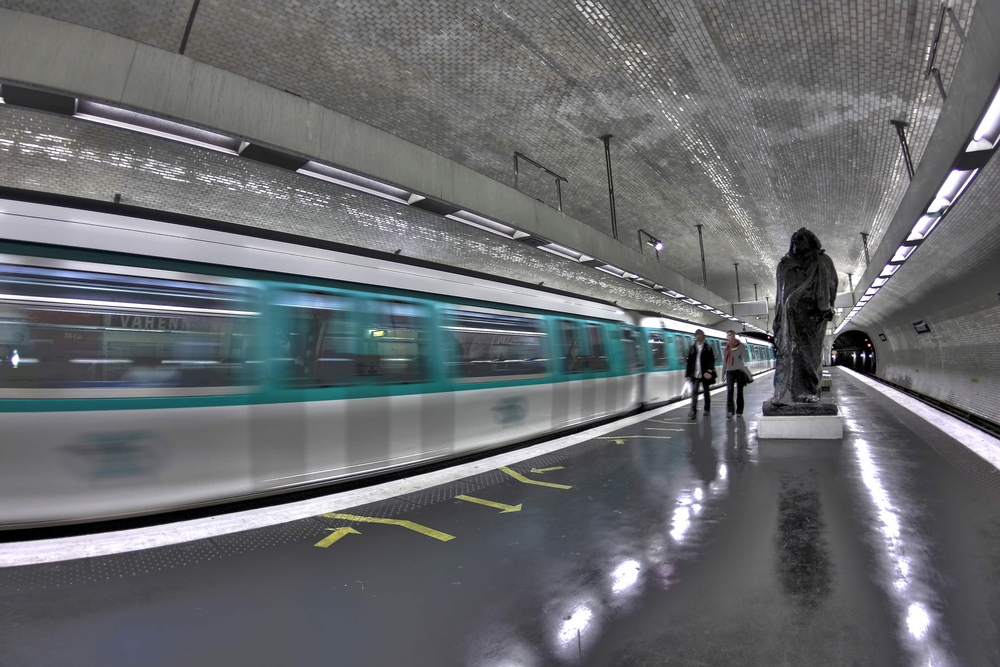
854 350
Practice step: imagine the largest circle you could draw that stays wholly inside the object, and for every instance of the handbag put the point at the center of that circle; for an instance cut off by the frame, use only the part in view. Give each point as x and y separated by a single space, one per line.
746 371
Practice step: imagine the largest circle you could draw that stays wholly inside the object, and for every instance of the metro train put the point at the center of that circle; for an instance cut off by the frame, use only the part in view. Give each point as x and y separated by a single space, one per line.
149 365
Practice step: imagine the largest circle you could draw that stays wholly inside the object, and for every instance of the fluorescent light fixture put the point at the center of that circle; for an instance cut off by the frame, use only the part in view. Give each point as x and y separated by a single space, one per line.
986 135
498 228
705 306
951 190
562 251
865 299
889 270
157 127
903 253
615 271
878 282
872 291
693 302
925 225
673 294
353 181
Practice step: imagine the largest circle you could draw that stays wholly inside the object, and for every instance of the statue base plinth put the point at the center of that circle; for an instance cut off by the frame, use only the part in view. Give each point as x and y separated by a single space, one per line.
801 421
822 409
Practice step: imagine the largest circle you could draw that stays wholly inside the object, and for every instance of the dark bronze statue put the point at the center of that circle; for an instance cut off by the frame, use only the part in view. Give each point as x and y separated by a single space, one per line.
806 293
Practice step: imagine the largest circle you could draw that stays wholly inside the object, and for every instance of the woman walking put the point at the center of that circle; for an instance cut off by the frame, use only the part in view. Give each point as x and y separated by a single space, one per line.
734 369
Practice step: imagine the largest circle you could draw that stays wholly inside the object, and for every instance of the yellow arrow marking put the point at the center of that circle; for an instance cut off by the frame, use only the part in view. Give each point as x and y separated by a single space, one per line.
541 470
521 478
489 503
670 421
653 428
429 532
619 441
622 437
335 535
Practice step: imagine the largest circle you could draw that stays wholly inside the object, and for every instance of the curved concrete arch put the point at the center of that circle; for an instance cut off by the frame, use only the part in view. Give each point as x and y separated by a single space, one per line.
60 57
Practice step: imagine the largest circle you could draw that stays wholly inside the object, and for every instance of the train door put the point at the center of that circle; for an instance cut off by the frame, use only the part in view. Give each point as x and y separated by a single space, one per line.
571 368
656 379
634 362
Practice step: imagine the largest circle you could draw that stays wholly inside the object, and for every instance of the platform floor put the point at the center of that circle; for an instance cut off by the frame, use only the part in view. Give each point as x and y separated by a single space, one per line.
662 543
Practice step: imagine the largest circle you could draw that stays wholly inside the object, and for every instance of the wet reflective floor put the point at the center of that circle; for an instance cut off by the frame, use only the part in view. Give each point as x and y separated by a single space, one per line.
665 543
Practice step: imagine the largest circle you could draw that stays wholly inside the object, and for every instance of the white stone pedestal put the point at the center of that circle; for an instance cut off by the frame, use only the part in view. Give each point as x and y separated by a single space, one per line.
827 427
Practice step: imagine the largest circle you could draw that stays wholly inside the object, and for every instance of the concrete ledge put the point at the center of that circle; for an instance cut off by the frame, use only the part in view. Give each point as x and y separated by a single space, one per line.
801 428
52 55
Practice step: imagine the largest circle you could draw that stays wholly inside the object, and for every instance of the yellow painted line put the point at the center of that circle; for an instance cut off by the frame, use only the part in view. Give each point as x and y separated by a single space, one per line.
521 478
424 530
653 428
489 503
622 437
672 421
541 470
336 535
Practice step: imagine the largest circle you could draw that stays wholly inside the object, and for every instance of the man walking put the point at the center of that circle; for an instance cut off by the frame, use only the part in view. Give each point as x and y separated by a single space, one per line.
700 371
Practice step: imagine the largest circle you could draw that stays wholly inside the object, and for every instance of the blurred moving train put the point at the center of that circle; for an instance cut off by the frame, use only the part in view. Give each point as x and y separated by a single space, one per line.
148 366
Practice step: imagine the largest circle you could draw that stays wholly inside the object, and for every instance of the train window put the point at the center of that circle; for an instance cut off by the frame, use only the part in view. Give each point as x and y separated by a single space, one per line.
393 348
325 340
598 356
317 345
683 344
658 349
630 345
489 345
573 354
72 329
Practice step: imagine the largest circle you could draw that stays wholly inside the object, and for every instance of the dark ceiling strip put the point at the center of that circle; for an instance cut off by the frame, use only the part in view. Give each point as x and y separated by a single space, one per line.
38 100
435 206
272 157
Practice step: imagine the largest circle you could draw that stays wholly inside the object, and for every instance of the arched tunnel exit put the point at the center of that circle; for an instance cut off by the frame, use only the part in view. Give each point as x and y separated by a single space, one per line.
854 349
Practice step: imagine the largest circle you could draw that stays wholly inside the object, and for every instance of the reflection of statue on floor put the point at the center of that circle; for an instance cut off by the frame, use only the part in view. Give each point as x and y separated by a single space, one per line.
806 292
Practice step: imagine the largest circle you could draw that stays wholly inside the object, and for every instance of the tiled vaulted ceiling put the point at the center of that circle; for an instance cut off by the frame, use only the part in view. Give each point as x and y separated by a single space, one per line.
752 118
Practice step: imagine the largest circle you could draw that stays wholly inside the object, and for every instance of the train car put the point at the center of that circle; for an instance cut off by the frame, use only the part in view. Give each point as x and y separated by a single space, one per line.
667 342
148 366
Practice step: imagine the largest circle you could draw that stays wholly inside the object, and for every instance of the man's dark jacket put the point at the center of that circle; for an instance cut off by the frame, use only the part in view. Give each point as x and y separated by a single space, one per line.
707 361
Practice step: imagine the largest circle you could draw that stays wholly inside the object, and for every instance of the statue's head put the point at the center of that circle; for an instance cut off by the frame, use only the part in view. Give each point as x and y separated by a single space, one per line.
804 242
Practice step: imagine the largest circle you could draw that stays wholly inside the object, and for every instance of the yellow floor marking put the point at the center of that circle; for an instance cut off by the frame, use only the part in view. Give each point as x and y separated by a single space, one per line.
521 478
429 532
541 470
653 428
336 535
670 421
622 437
490 503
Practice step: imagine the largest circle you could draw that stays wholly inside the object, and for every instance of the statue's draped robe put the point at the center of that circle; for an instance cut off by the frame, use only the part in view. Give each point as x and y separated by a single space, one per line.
807 290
